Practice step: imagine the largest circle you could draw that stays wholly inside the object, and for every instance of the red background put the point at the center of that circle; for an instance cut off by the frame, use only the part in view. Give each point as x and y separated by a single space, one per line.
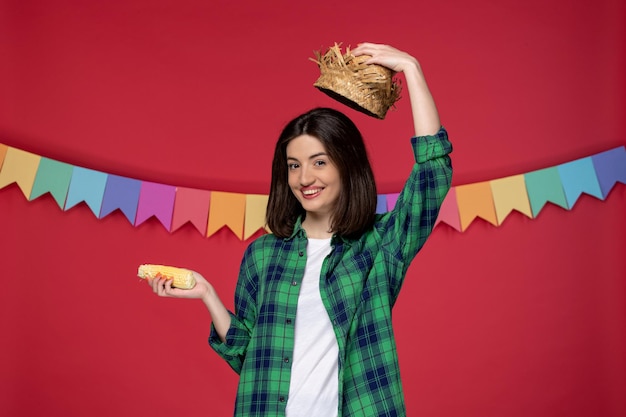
524 319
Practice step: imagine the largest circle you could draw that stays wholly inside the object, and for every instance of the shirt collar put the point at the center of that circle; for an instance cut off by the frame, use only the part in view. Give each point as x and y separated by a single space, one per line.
298 231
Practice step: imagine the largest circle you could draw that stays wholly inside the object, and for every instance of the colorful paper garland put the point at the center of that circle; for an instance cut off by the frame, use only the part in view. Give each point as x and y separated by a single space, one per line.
244 214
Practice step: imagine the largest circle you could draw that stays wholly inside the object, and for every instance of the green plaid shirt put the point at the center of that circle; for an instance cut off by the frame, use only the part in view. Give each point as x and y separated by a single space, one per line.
359 284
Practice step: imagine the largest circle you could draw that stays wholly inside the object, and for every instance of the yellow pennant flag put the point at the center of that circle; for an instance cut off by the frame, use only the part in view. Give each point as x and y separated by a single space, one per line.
19 167
256 205
226 209
510 194
475 200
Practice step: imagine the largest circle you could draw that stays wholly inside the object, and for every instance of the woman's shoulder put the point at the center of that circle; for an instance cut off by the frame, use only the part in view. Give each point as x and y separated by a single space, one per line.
262 242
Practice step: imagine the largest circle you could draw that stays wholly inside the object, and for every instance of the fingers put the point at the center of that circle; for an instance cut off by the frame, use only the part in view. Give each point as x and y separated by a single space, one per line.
161 286
364 49
368 48
385 55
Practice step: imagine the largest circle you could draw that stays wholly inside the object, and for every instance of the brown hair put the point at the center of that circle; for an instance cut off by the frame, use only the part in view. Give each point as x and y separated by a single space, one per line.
356 207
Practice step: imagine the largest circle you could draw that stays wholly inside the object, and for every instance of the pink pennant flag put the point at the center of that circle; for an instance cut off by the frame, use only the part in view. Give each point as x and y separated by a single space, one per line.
156 200
191 205
19 167
391 200
449 212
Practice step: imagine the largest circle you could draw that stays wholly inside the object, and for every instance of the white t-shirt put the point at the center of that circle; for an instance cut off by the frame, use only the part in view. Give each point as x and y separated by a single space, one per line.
314 385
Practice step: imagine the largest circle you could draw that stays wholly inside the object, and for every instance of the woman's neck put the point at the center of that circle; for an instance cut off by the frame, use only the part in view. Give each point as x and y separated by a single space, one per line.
317 228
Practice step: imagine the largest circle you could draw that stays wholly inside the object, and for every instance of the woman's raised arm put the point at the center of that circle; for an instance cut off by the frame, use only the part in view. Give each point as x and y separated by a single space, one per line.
425 115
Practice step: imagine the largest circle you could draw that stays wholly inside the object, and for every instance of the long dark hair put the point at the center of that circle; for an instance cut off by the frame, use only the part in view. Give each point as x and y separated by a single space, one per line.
356 207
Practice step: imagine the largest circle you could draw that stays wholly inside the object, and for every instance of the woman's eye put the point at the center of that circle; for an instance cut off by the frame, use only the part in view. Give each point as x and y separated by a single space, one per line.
320 163
292 166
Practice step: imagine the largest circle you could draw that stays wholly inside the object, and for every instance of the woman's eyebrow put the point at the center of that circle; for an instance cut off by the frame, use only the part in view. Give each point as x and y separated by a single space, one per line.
315 155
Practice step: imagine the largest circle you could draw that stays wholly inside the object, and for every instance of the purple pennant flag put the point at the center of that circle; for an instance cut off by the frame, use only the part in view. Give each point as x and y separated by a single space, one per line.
381 204
156 200
121 193
610 168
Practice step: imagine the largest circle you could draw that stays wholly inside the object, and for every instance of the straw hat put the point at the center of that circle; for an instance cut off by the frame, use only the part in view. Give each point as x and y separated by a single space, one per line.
368 88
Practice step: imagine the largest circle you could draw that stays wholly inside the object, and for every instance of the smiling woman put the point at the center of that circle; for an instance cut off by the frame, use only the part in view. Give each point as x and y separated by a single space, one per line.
349 205
312 330
525 319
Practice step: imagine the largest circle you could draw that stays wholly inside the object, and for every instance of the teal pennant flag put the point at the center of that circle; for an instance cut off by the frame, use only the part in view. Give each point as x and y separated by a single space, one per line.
544 186
53 177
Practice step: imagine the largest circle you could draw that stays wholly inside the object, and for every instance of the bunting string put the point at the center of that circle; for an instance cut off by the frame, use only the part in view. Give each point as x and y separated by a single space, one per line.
244 214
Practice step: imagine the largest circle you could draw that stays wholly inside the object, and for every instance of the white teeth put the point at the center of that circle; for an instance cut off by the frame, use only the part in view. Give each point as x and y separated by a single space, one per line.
310 192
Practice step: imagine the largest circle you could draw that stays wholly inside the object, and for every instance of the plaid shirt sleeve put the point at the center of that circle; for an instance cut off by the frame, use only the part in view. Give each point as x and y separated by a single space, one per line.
233 350
404 230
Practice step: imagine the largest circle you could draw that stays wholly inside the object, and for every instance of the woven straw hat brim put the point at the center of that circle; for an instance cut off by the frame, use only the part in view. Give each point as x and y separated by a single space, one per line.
368 88
351 94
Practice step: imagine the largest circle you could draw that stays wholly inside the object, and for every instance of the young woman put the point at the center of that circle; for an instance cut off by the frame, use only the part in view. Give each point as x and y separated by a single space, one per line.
312 334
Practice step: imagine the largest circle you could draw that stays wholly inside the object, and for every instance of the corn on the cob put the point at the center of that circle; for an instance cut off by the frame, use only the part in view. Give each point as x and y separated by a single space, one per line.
181 277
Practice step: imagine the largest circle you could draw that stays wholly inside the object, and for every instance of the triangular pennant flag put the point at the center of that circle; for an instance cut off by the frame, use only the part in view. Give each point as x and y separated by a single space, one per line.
381 204
449 211
19 167
610 168
256 206
3 152
544 186
53 177
156 200
191 205
227 209
86 185
391 200
579 177
475 200
123 194
510 194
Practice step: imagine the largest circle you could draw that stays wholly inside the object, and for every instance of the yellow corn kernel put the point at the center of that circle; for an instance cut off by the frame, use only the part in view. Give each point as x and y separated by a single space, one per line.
181 277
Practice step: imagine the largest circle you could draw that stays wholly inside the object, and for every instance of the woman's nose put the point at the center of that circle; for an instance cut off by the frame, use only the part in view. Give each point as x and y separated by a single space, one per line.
305 177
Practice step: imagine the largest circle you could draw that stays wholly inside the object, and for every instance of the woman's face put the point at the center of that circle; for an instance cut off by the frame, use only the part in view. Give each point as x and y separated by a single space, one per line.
313 177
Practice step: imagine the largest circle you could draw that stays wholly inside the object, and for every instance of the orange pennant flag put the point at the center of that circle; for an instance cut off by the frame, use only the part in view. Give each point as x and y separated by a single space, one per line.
19 167
227 209
191 205
256 205
510 194
475 200
3 152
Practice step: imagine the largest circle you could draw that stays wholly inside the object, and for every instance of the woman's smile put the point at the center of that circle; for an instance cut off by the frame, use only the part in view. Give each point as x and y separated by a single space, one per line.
309 192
